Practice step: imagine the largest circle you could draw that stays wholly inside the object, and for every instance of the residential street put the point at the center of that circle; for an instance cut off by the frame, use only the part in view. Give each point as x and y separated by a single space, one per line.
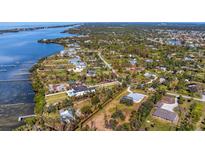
187 97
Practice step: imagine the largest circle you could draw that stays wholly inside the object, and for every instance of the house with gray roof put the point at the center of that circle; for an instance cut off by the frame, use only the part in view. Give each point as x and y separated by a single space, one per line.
166 115
80 91
67 115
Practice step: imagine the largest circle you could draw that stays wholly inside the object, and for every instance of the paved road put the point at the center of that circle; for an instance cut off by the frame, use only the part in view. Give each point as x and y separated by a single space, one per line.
152 80
187 97
56 93
107 64
129 90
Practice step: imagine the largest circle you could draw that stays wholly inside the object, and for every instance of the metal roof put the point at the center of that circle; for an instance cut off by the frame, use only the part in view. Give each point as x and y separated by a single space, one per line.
136 96
165 114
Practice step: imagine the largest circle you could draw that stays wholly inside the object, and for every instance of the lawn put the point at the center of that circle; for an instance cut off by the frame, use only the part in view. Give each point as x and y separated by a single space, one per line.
158 125
56 98
82 103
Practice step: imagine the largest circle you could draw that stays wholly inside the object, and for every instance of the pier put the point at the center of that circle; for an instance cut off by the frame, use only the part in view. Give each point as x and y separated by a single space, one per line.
26 116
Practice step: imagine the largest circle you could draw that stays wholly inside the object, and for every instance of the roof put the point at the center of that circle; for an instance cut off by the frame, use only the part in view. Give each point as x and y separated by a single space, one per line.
66 114
167 100
75 60
133 61
127 98
136 96
80 88
165 114
192 85
159 104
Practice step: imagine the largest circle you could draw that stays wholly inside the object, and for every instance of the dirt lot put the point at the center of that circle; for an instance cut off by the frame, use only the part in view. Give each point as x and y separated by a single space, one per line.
98 120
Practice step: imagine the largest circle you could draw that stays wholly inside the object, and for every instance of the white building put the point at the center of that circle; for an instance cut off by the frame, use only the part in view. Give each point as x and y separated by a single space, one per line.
80 91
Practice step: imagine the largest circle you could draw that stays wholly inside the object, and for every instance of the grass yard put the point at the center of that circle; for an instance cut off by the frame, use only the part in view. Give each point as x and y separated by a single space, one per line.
56 98
154 124
82 103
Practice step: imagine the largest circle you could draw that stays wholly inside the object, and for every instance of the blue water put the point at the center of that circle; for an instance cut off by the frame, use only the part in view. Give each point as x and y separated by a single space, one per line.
18 52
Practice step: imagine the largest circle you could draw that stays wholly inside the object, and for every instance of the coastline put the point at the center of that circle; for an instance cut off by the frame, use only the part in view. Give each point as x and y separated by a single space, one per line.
11 121
39 92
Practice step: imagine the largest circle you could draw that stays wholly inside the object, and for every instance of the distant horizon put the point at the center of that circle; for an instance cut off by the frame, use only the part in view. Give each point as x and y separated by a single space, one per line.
6 25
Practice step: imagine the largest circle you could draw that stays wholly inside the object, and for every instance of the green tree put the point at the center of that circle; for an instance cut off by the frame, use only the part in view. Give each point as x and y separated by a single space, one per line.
162 89
118 114
180 99
68 102
86 110
95 100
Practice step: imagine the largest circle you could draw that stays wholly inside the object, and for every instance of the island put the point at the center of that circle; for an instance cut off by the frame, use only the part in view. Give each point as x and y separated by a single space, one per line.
15 30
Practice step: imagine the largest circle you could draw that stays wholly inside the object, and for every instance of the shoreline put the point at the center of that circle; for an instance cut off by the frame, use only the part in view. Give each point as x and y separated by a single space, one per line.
37 85
12 125
39 92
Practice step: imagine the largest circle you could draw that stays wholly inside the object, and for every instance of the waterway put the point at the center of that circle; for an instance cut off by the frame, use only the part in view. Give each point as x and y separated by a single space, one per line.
18 53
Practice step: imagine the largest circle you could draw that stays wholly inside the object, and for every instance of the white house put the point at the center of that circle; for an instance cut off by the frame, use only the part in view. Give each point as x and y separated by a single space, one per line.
67 115
80 91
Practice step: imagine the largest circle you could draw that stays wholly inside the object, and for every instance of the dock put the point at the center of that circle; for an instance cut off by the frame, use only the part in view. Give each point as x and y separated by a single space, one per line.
26 116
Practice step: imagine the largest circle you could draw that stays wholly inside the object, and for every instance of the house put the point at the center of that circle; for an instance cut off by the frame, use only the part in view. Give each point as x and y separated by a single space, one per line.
149 75
74 45
88 41
68 52
75 60
148 60
78 113
79 65
162 80
91 73
174 42
193 87
67 115
168 103
135 97
77 69
127 100
162 68
188 59
165 109
70 69
151 89
80 91
133 61
57 87
62 53
140 69
166 115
